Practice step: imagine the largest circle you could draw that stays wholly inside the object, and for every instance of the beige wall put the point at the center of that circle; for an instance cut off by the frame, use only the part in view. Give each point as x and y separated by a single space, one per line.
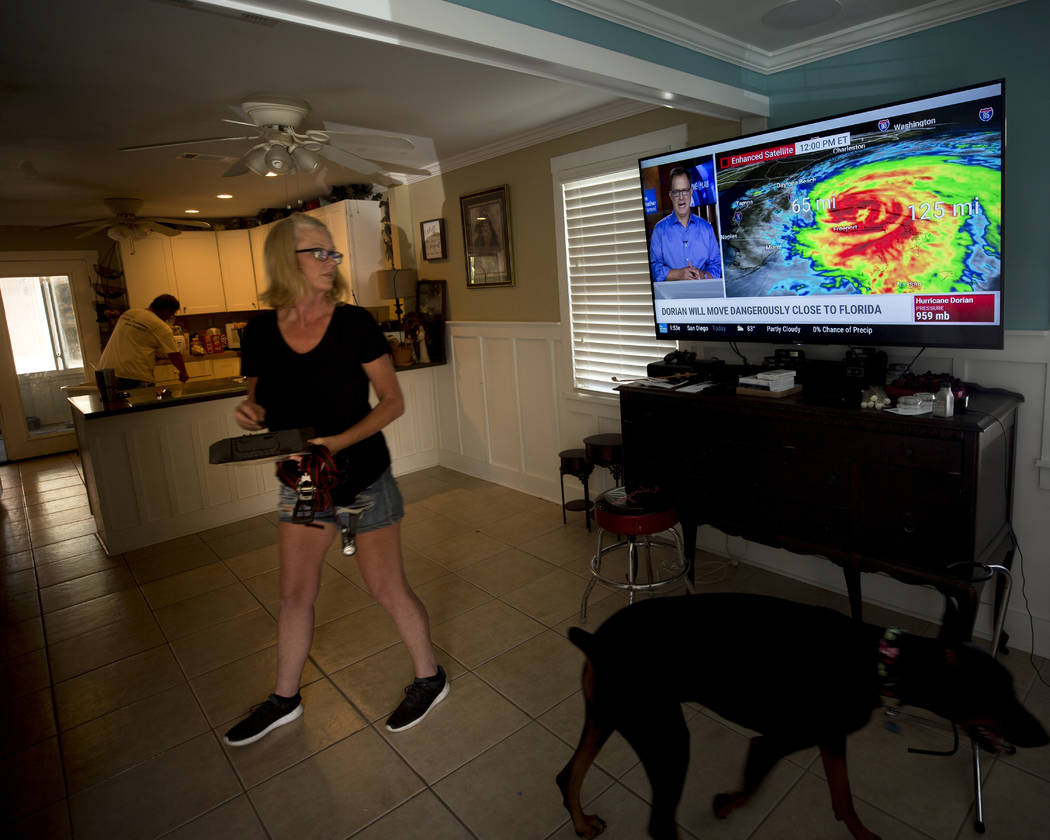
534 297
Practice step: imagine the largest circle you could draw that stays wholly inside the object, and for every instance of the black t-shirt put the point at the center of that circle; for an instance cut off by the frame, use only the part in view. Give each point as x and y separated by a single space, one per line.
325 389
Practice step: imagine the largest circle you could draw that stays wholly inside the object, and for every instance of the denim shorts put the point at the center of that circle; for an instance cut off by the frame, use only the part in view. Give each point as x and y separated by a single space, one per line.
381 501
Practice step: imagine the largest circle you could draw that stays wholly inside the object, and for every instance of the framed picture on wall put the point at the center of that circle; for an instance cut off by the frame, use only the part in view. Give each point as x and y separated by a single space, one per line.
432 235
486 238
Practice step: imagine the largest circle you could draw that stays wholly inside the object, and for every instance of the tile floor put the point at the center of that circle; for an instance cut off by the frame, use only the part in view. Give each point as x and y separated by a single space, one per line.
122 672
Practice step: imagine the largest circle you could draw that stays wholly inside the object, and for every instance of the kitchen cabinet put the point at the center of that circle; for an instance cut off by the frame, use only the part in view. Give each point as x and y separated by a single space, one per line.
357 232
237 269
196 368
257 239
224 271
148 270
224 368
195 257
186 266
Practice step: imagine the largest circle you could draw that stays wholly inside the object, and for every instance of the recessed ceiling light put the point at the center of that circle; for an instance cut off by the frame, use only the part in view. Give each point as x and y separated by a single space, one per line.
191 211
224 195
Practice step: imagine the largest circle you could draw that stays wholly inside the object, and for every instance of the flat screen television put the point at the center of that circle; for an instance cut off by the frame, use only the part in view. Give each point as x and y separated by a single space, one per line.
879 227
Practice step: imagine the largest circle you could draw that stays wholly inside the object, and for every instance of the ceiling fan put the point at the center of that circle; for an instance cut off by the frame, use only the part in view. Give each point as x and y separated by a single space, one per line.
283 149
126 226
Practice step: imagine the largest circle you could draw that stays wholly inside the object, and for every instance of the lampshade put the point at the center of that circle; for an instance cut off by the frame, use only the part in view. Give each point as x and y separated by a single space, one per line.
119 233
278 160
396 283
255 160
305 160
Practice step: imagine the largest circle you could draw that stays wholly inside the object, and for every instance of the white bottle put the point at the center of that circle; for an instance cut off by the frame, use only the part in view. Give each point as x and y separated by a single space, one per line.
944 403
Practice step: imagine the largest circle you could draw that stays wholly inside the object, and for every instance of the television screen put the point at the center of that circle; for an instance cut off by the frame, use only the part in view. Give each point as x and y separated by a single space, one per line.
878 227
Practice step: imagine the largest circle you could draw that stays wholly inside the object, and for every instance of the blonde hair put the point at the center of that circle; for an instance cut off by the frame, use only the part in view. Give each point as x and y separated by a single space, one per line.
285 283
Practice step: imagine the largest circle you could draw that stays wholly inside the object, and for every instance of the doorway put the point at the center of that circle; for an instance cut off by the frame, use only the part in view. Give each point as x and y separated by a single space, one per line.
47 338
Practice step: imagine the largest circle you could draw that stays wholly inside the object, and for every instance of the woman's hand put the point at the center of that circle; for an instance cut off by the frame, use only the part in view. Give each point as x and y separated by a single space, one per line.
333 443
250 416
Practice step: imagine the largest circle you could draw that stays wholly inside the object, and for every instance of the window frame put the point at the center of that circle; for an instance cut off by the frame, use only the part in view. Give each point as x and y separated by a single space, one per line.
585 164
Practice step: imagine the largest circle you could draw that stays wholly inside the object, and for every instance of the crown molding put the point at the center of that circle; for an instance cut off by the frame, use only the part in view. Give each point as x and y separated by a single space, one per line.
551 131
642 17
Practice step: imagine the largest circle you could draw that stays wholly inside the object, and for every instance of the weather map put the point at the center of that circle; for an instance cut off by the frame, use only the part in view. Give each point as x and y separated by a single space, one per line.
912 212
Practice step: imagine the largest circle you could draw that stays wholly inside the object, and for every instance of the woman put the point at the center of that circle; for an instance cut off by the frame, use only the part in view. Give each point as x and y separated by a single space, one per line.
309 363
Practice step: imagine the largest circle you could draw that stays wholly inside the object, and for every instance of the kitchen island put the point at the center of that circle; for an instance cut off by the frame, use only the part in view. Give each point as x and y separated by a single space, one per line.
146 458
146 464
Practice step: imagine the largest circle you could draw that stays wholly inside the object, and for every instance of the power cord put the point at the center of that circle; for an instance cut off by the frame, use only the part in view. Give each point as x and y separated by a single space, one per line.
1028 608
743 358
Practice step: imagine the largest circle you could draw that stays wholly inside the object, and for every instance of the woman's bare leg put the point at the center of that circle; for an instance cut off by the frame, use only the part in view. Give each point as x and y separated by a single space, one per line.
380 561
301 549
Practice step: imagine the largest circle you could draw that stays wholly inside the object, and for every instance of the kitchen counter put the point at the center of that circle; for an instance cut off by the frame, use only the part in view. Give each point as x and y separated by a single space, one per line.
147 470
146 399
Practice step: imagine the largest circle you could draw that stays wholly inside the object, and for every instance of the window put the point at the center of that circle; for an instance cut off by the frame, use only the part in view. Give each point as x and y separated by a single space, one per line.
41 323
607 297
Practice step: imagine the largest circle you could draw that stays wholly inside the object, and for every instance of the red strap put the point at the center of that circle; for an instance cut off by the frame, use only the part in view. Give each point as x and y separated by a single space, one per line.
317 463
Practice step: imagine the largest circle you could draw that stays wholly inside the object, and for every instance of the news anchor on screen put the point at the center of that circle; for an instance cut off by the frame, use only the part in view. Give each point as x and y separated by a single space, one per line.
683 246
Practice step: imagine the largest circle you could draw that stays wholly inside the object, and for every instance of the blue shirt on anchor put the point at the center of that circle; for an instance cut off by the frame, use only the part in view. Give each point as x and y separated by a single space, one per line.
673 246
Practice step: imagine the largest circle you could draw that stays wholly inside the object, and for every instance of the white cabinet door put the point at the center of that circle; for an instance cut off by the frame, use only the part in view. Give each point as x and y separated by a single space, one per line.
355 228
366 255
195 256
238 271
148 270
257 238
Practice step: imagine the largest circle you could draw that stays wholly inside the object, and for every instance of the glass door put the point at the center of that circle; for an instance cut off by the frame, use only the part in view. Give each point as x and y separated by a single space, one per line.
40 352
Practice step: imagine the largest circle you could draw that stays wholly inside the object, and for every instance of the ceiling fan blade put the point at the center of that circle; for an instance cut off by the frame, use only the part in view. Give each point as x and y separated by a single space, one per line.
183 143
239 122
403 168
93 230
105 221
159 228
198 223
379 142
239 168
351 161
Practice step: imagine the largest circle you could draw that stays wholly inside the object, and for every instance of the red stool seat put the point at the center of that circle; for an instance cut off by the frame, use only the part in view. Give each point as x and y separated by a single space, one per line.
643 520
624 513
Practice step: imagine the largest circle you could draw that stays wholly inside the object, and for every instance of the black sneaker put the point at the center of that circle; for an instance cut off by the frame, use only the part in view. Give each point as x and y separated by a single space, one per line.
264 718
420 697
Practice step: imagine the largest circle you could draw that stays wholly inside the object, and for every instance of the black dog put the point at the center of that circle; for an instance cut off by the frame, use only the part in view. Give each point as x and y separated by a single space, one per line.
799 675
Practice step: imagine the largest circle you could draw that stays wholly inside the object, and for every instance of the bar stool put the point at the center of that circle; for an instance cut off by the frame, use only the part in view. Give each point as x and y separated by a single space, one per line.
606 450
574 462
641 519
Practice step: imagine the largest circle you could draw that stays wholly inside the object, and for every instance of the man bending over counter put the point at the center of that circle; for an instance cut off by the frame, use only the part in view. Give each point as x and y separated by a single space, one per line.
139 336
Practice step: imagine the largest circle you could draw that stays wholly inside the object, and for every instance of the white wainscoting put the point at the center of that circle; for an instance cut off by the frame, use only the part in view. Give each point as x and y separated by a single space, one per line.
505 409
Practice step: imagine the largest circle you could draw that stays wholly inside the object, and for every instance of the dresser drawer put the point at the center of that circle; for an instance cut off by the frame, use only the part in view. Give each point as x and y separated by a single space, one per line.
921 453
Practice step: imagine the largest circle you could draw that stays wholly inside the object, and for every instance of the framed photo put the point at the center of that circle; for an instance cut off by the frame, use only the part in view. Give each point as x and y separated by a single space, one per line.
486 238
432 235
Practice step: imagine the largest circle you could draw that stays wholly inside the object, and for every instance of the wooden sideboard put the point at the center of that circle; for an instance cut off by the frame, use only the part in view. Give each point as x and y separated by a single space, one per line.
920 498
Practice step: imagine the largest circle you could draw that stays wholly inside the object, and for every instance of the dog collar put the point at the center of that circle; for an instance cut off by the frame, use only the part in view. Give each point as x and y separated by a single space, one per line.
889 651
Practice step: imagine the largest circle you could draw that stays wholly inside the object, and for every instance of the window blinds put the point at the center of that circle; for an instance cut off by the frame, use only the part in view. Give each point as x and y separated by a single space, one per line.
610 299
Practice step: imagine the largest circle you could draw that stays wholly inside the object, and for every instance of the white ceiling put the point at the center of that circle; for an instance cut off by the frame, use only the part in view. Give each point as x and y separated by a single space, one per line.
82 79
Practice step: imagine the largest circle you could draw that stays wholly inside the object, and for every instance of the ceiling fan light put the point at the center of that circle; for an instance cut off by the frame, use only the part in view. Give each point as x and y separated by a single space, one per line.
305 160
119 233
255 160
278 160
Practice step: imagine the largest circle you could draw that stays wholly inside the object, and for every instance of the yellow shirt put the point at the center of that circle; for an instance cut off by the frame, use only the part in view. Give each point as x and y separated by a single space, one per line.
138 336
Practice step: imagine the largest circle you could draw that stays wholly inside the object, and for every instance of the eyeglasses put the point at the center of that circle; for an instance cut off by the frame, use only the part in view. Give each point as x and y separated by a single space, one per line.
680 193
320 254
